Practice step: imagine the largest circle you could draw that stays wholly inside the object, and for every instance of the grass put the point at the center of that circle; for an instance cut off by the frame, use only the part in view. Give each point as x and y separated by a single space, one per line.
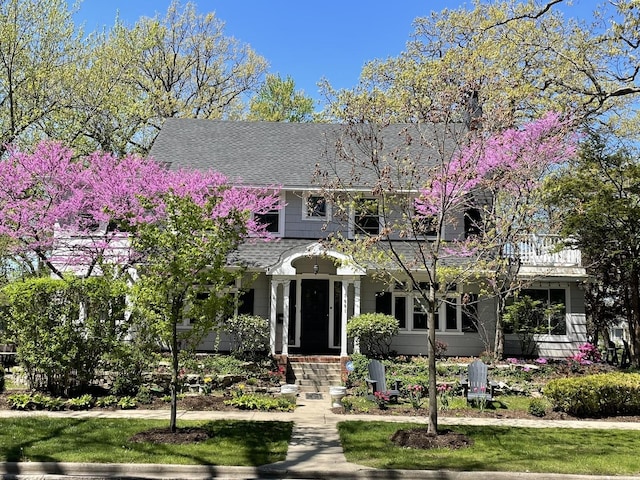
457 404
99 440
542 450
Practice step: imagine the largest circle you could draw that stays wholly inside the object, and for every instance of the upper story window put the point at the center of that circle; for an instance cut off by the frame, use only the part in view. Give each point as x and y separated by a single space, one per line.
423 225
273 219
472 222
315 208
366 217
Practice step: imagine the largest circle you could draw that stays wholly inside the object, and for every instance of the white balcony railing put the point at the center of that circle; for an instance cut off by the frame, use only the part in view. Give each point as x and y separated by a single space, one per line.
544 250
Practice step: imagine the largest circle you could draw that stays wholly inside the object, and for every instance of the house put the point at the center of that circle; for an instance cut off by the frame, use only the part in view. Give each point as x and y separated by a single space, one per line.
309 290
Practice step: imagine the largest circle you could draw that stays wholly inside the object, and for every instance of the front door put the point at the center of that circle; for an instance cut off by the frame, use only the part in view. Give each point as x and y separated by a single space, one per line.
314 316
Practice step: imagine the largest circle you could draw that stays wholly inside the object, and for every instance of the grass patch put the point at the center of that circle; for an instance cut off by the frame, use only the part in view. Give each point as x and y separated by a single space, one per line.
508 449
101 440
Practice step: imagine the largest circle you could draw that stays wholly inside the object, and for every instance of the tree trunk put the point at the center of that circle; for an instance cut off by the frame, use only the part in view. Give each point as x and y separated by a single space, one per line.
498 347
433 388
174 378
634 324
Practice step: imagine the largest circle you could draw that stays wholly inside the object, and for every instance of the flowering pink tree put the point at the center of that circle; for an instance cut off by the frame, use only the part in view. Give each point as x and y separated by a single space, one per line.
70 214
173 230
424 178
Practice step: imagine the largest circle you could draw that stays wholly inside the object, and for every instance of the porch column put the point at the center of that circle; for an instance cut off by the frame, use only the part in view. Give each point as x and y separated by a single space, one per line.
345 312
273 317
285 317
356 311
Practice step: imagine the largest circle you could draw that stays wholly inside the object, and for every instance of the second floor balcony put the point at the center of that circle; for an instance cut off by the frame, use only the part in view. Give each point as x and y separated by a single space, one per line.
544 251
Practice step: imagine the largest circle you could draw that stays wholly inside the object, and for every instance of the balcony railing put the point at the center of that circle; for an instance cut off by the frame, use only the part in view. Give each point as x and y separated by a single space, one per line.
544 250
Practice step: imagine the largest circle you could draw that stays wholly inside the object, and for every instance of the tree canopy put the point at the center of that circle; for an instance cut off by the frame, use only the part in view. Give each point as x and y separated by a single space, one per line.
278 101
110 90
597 201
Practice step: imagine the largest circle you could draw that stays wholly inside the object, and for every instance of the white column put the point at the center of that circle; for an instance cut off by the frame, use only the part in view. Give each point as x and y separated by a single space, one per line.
356 297
343 323
273 317
356 311
285 317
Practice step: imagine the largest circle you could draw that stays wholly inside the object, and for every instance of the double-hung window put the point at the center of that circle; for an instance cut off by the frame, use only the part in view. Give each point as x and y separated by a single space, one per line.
315 208
411 310
366 217
273 219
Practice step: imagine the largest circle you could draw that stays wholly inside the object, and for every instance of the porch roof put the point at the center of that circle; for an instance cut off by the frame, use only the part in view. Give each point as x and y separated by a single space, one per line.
260 255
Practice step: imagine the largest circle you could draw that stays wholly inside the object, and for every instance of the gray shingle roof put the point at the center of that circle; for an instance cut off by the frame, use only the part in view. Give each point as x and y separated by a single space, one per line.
266 153
256 153
260 255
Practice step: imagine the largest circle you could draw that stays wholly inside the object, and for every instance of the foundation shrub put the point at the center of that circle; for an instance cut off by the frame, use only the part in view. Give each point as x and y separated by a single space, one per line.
374 332
250 334
593 396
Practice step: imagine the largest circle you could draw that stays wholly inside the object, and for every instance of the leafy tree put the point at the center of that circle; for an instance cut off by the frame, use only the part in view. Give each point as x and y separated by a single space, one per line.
188 68
521 58
597 199
100 215
112 89
39 48
190 229
414 180
278 101
62 328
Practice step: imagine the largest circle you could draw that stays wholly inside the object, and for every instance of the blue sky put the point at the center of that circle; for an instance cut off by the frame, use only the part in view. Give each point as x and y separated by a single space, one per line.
305 39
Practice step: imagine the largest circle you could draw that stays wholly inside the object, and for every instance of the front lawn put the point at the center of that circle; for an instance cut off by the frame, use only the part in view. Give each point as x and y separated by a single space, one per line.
542 450
100 440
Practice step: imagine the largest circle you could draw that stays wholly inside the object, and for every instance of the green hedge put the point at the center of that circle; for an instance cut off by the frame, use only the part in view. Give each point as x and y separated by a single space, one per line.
600 395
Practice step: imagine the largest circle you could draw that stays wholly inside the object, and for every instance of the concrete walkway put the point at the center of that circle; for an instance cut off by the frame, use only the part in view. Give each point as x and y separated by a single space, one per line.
314 452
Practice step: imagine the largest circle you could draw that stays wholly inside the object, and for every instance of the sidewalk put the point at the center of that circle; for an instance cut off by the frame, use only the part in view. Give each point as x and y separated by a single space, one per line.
314 452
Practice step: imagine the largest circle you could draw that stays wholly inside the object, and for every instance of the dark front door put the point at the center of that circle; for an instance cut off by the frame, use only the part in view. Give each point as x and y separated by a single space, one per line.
315 316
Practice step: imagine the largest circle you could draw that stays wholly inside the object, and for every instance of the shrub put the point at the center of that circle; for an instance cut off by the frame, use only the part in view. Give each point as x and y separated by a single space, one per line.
127 403
144 395
127 362
254 401
598 395
106 402
374 331
83 402
250 335
59 344
537 407
20 401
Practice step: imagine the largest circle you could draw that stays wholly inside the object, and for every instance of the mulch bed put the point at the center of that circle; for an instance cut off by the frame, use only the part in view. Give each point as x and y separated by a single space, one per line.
420 438
165 435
